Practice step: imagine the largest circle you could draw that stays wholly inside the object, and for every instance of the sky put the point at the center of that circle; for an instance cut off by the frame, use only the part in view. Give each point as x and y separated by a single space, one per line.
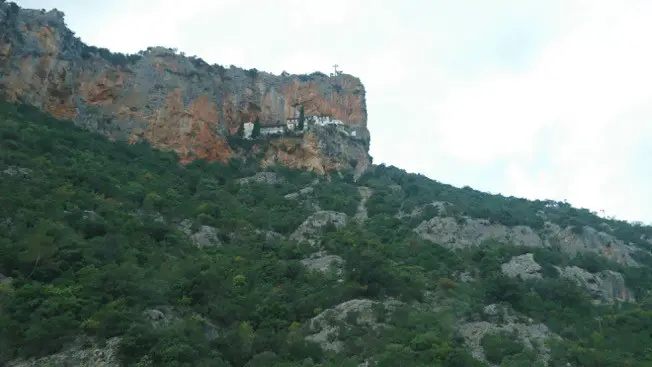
542 99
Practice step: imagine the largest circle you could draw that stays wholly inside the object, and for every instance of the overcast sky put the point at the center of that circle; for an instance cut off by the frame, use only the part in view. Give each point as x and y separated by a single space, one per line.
547 99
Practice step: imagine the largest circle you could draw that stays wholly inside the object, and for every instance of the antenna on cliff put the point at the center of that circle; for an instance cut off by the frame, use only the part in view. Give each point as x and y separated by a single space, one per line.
337 72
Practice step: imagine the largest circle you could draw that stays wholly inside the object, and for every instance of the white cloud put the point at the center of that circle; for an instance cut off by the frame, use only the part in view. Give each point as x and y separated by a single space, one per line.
582 87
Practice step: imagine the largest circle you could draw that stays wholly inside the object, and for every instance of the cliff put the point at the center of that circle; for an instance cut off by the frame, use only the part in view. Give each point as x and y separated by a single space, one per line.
174 102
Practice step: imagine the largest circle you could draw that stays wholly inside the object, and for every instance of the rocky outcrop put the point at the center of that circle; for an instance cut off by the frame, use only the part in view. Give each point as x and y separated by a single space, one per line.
301 193
17 171
323 330
589 240
606 286
361 213
269 178
204 236
522 266
533 335
466 232
310 229
439 207
78 355
322 262
304 192
306 196
172 101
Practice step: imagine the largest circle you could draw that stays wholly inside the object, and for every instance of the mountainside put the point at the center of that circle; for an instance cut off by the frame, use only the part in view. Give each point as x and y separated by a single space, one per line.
113 254
276 250
172 101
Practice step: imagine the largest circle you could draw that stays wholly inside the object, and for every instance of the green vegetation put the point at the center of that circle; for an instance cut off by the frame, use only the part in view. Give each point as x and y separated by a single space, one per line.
115 58
252 73
499 346
90 232
255 133
241 130
302 118
9 26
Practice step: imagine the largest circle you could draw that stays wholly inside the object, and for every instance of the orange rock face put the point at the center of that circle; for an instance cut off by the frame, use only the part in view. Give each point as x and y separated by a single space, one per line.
174 102
321 150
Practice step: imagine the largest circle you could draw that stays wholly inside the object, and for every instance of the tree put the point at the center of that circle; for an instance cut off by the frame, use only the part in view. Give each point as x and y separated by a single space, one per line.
241 130
302 118
256 131
40 246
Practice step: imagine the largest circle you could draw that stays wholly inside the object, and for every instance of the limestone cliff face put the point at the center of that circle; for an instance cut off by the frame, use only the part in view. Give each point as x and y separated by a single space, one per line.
321 149
174 102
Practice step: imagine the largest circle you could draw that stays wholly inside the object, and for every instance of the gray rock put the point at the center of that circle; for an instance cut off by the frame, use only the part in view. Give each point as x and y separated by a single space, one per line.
161 316
262 177
17 171
186 226
310 229
325 333
321 261
271 236
79 356
205 236
448 232
442 209
533 335
306 190
468 232
361 213
158 217
606 286
303 192
494 310
590 241
466 277
155 315
292 196
91 215
523 266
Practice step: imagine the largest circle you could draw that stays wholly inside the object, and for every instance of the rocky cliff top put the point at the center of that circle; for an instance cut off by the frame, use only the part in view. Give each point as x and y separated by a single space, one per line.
159 95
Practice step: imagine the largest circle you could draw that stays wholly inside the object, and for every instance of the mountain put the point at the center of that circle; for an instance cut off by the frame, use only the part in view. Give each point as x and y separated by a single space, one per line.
176 102
112 253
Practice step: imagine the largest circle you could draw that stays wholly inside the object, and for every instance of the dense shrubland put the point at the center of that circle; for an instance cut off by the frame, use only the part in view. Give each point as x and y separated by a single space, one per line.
89 232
